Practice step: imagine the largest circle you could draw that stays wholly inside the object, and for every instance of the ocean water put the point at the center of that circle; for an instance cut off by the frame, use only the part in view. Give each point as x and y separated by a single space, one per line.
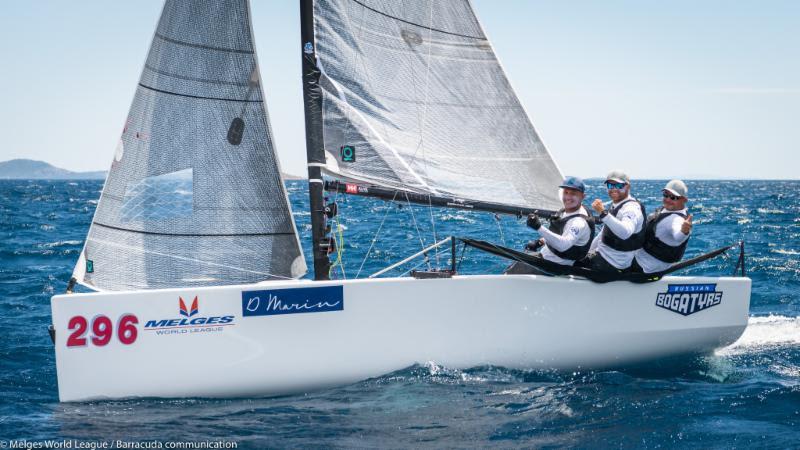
747 395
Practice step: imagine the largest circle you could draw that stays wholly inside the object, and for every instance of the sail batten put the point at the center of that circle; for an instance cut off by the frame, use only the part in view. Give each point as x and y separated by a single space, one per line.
194 196
413 91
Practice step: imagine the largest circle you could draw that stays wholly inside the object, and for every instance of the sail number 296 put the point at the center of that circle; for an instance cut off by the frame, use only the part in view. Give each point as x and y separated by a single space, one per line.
100 330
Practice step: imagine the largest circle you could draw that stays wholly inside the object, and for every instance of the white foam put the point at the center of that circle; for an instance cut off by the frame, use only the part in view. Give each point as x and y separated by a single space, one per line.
765 332
59 244
786 252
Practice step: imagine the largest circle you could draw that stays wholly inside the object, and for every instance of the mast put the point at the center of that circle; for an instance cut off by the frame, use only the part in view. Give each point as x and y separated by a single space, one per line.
315 152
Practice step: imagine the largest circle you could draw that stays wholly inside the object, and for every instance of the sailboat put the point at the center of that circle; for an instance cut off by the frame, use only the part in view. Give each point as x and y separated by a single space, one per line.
197 262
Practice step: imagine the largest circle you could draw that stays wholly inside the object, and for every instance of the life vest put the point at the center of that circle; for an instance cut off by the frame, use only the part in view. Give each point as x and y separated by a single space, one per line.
658 248
575 252
633 242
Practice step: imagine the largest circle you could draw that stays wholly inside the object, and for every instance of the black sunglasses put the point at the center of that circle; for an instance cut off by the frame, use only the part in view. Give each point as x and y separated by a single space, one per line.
670 196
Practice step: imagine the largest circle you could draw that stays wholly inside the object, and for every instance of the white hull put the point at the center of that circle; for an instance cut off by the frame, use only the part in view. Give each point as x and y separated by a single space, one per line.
514 321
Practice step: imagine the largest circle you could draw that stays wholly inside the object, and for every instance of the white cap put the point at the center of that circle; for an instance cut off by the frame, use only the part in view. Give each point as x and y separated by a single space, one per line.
618 176
677 187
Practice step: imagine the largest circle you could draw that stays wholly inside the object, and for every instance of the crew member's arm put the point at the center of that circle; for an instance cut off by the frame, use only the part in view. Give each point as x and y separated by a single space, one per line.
626 223
563 242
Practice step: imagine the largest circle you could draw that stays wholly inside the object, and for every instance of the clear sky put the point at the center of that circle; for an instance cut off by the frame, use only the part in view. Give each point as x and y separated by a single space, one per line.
661 89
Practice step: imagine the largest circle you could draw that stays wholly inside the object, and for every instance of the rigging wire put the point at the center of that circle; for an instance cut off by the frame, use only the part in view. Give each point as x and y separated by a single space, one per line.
433 227
419 234
422 121
375 238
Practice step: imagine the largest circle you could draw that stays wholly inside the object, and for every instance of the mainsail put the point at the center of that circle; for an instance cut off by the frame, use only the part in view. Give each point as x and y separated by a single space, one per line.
194 196
415 99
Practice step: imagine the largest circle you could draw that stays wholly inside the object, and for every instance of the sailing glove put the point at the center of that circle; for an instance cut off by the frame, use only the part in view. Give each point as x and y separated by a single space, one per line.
534 245
534 222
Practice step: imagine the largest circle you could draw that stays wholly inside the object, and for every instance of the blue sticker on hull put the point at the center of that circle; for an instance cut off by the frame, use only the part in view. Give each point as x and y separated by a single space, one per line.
292 301
686 299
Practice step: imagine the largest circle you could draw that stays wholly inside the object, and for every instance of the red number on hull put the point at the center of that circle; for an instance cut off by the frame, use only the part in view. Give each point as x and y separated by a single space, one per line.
102 330
76 339
127 331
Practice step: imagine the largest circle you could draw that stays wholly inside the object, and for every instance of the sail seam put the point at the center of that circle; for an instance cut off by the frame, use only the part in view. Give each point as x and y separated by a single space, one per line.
201 46
464 105
418 25
198 96
202 80
183 258
111 227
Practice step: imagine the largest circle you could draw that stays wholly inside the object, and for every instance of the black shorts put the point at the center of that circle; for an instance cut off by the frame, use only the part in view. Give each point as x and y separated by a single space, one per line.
596 262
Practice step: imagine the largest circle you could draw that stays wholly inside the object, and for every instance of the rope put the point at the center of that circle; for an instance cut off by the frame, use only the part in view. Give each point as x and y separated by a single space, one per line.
500 227
463 252
339 242
339 251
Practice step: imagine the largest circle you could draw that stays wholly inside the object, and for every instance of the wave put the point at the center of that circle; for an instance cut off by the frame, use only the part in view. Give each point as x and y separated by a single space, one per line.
59 244
786 252
765 332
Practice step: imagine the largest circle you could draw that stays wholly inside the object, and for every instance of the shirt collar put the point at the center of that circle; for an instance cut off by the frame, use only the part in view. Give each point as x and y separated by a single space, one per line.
629 197
580 212
681 211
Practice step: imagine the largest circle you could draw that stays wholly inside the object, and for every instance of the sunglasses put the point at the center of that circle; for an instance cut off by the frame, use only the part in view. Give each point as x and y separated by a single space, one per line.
610 185
670 196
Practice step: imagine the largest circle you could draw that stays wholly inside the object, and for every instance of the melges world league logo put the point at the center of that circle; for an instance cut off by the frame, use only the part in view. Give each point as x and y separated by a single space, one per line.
191 318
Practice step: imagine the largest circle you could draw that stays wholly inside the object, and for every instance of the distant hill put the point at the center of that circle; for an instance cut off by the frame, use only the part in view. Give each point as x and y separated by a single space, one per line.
28 169
289 176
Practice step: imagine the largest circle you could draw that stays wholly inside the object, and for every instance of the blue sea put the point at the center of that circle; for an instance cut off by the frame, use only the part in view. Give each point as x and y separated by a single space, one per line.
747 395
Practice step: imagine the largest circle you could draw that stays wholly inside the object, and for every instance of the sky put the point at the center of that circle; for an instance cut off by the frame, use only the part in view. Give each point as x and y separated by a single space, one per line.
691 89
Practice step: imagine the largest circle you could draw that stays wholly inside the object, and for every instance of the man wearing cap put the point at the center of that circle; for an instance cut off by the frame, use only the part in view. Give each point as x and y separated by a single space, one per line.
623 232
570 233
666 231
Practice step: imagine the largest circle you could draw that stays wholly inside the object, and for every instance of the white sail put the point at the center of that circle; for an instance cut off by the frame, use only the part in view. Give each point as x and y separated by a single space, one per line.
194 196
415 91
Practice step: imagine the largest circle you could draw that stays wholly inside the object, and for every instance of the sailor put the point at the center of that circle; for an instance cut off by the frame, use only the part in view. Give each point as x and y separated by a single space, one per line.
623 231
666 231
571 230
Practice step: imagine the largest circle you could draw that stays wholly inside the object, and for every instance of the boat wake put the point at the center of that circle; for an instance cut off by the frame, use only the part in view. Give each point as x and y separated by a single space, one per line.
765 332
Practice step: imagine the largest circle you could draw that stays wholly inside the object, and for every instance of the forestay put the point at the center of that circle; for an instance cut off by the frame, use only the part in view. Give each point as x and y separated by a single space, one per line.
194 196
414 98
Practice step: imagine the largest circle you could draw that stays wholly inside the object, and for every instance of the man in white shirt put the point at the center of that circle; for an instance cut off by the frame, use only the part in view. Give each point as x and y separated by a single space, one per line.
623 232
570 233
666 231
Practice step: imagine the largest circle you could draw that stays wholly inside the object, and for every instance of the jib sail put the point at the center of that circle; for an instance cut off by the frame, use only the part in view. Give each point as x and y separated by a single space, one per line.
194 196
